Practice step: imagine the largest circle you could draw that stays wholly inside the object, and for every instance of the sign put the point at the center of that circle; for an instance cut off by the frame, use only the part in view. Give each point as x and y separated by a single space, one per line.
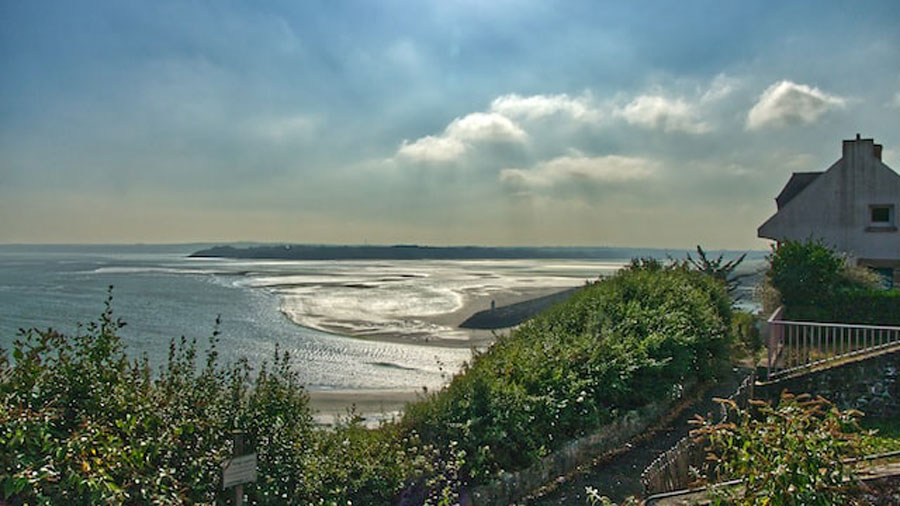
239 470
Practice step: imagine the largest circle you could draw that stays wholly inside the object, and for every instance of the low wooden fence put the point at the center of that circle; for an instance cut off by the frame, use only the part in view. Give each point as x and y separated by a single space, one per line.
673 470
798 346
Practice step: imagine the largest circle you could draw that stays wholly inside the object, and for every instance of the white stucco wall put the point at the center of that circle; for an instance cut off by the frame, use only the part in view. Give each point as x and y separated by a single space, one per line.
835 207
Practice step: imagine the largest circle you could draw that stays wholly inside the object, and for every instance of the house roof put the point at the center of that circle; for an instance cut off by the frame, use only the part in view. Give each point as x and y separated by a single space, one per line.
795 185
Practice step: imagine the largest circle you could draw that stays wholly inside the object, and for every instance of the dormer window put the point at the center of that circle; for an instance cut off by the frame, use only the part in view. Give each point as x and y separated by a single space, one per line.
881 218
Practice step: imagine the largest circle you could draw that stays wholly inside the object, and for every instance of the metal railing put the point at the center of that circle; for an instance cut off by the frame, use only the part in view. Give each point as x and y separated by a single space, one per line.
796 346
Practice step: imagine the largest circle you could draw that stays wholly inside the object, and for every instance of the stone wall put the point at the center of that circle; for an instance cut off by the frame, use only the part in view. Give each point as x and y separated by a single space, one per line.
869 385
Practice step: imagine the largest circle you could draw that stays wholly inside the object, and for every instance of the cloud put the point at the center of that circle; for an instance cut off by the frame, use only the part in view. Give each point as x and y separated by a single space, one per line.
896 101
579 168
662 110
788 103
432 149
485 127
721 87
541 106
550 124
661 113
460 135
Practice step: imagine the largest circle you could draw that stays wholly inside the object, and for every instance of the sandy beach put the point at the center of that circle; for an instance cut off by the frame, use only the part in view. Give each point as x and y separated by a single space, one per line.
373 405
455 336
377 405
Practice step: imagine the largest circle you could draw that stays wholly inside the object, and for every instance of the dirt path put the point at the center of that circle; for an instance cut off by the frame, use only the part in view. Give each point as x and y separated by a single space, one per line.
620 476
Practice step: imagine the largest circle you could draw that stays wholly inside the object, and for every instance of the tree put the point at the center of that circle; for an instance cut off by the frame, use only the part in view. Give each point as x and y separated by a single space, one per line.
719 268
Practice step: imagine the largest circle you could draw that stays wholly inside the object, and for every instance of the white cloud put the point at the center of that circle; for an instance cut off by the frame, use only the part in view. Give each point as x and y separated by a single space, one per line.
786 103
720 87
432 149
460 135
662 113
485 127
540 106
600 169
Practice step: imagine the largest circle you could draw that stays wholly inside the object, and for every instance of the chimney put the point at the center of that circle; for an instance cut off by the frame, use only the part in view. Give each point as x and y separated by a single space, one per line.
860 147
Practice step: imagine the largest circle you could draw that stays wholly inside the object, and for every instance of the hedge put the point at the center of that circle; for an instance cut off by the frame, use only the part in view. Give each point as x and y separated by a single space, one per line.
616 345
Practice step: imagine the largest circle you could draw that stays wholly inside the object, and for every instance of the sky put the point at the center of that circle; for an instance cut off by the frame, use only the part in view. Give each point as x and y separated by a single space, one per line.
450 122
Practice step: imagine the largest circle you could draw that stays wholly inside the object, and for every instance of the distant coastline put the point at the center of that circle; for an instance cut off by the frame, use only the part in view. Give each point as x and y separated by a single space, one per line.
416 252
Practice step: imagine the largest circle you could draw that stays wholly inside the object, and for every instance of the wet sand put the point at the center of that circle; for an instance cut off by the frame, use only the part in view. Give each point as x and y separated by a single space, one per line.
377 405
373 405
448 331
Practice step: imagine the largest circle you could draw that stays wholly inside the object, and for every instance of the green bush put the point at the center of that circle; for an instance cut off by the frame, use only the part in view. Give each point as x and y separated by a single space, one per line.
792 454
81 424
744 329
871 307
616 345
816 284
805 273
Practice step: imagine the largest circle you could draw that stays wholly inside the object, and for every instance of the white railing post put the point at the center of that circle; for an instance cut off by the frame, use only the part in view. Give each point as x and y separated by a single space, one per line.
776 336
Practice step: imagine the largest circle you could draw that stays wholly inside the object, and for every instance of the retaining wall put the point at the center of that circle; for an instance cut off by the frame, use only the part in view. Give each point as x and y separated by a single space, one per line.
868 384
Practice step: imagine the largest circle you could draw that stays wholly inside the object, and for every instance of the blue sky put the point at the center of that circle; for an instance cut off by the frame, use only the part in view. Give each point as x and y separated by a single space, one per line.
451 122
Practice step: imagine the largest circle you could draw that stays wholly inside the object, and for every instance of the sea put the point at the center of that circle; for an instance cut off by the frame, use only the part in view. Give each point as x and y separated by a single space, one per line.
330 316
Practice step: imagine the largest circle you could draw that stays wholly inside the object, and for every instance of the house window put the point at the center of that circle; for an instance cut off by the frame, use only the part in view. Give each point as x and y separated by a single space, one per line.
881 218
881 215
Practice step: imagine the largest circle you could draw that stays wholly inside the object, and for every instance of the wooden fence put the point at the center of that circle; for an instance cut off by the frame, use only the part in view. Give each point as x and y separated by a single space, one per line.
673 470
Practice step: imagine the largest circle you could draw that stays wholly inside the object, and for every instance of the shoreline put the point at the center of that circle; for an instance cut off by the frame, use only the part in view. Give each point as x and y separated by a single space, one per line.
449 331
375 405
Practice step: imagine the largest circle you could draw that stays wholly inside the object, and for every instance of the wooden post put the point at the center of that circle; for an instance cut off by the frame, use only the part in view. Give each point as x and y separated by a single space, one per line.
238 437
239 469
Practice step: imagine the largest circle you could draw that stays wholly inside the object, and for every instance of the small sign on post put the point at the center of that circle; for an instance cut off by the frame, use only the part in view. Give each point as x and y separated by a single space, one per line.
239 469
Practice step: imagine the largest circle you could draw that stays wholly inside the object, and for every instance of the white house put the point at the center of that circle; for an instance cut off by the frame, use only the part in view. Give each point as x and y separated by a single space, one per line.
852 207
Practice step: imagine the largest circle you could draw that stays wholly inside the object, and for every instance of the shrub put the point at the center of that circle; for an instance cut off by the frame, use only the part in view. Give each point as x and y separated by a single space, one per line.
81 424
616 345
871 307
805 273
744 329
791 454
817 284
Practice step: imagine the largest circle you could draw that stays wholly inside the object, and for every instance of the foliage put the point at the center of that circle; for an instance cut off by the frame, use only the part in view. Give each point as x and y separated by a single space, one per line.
744 329
595 499
817 284
616 345
80 424
792 454
882 436
718 268
805 273
870 307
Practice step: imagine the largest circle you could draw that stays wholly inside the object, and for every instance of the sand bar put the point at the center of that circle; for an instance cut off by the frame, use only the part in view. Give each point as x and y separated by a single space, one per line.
375 405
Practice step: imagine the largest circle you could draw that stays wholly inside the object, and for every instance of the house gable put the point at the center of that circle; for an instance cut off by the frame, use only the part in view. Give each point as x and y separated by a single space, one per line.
853 206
